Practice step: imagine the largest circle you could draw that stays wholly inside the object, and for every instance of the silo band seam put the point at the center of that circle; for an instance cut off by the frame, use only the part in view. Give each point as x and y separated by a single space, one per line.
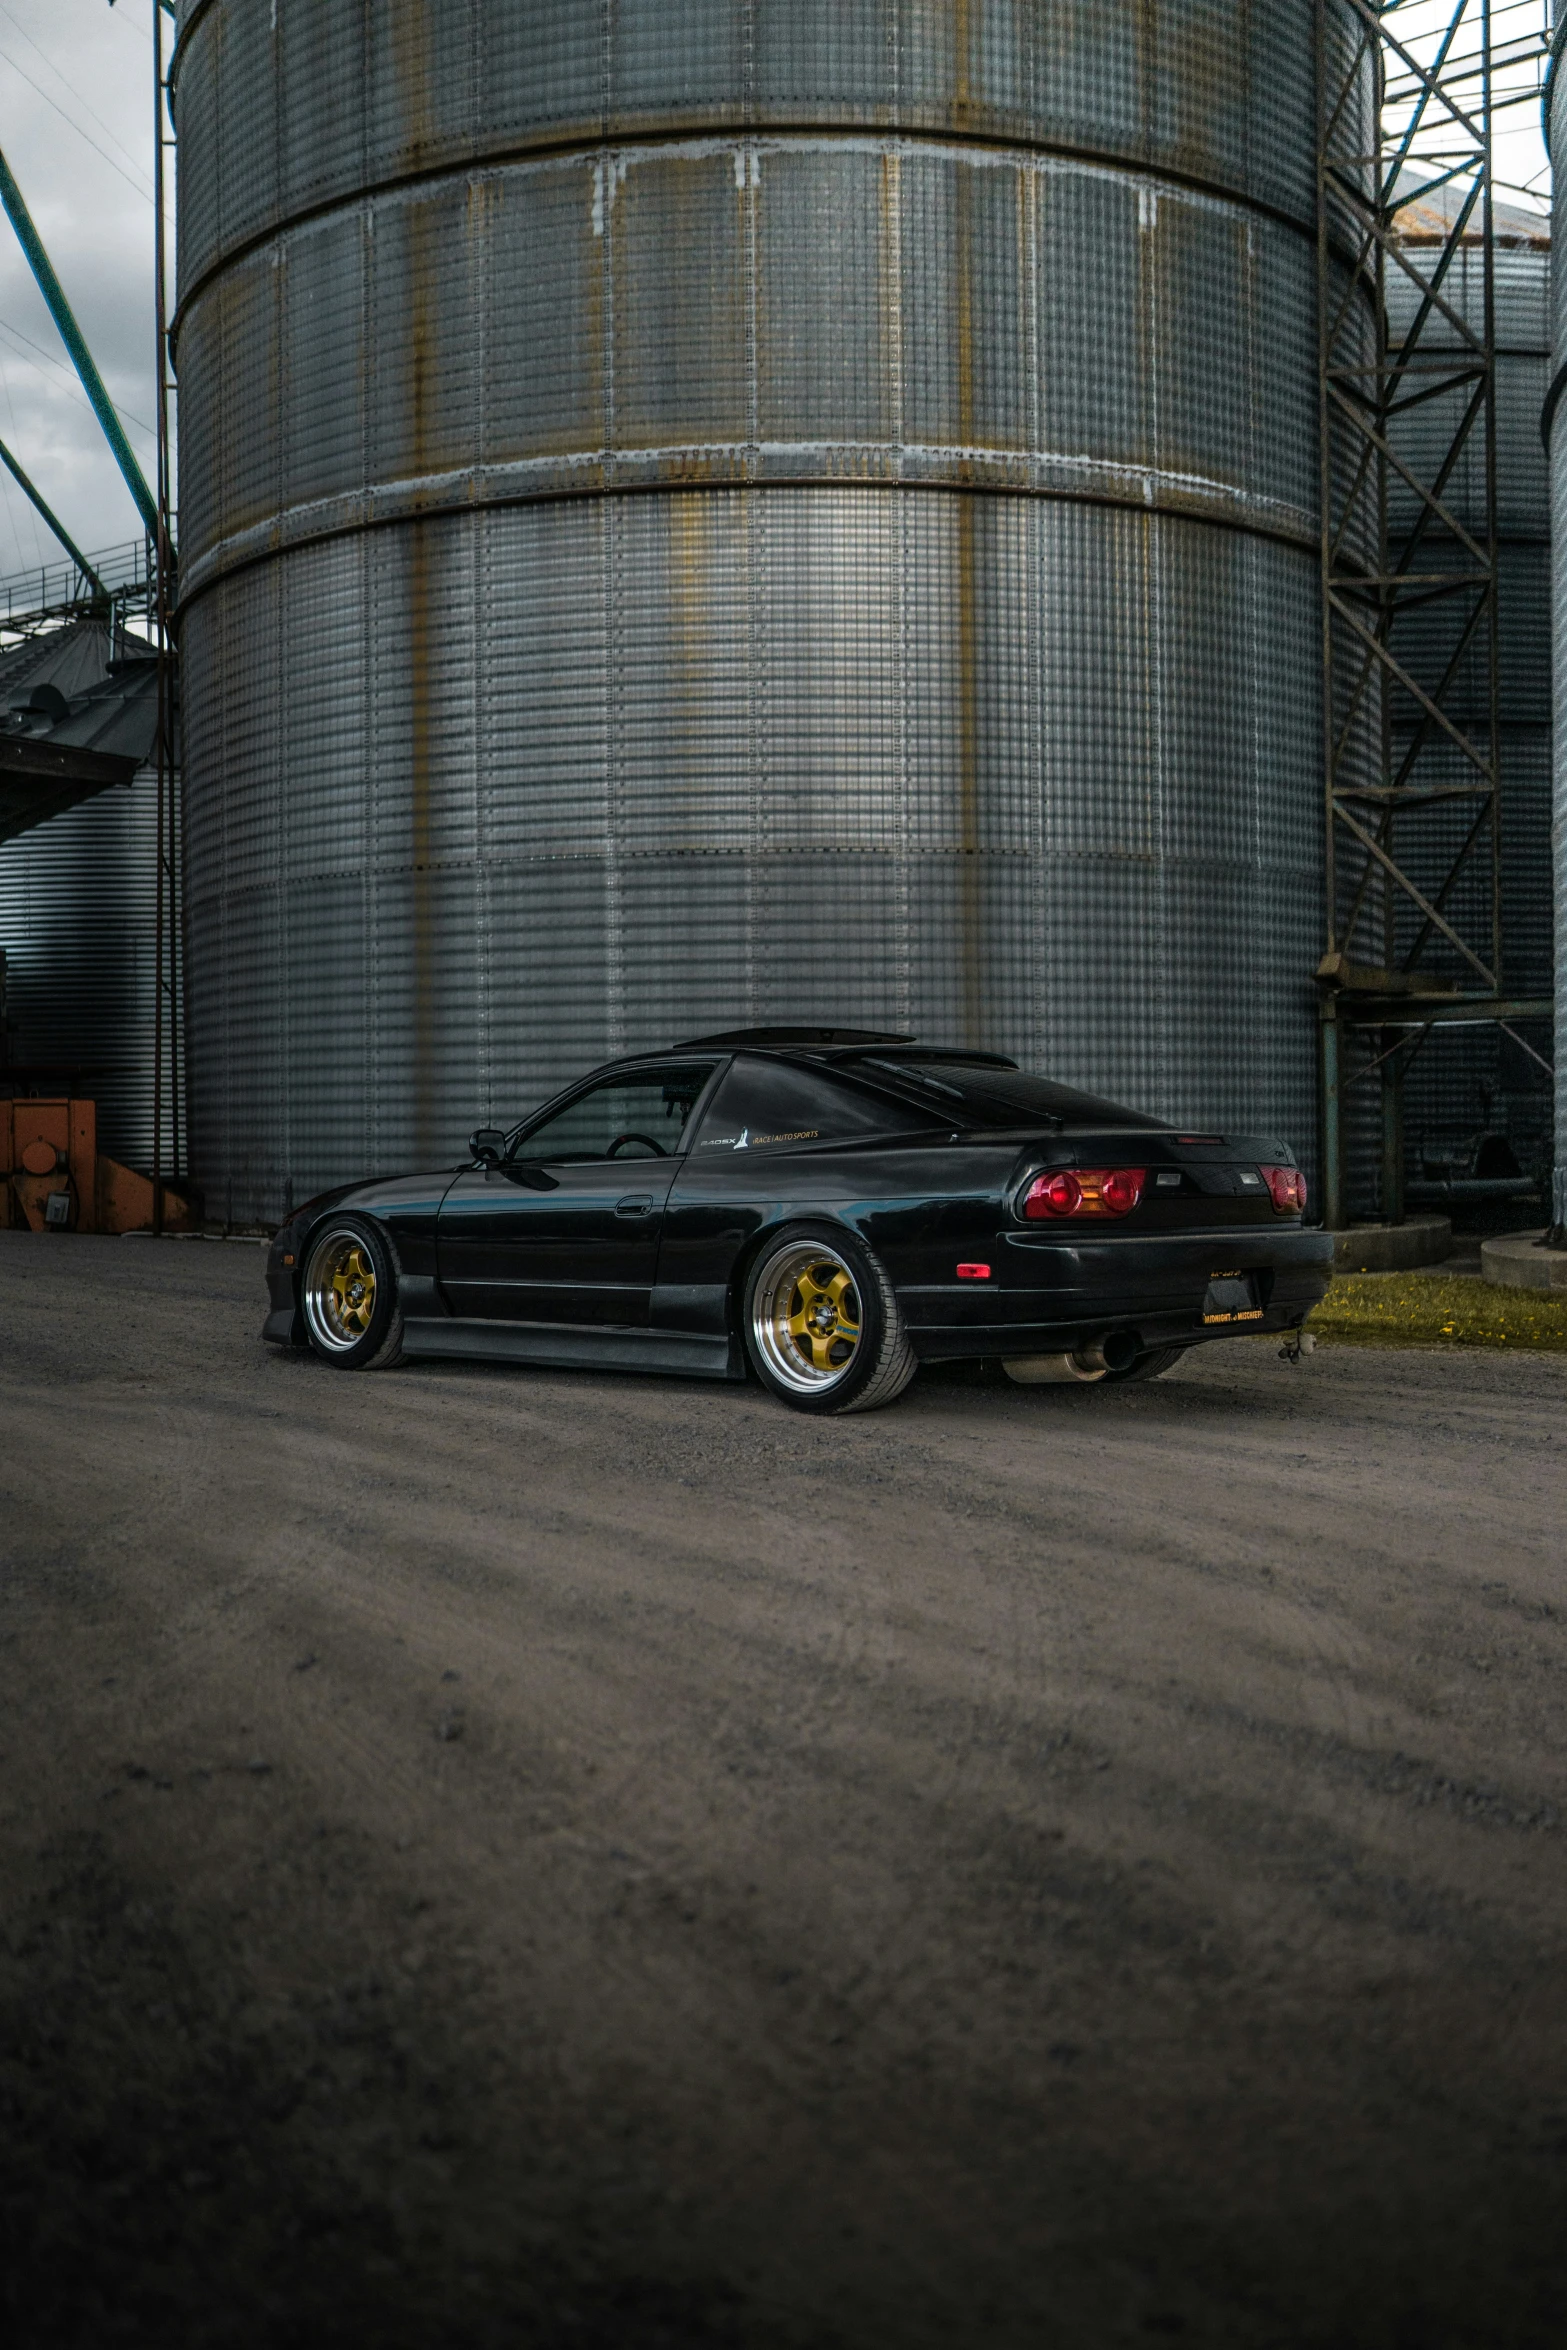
209 573
477 862
719 135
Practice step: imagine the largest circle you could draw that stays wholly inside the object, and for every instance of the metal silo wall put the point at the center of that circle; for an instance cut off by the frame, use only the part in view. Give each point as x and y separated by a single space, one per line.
1466 1081
1556 123
695 511
78 910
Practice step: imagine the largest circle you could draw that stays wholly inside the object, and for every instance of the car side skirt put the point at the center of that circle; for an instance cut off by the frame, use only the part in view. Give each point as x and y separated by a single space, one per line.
686 1353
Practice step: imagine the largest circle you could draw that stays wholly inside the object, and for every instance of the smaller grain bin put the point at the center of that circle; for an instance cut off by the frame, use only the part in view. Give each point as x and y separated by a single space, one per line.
78 890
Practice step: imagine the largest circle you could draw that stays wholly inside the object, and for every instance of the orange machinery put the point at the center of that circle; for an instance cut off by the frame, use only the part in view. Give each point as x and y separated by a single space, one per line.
52 1179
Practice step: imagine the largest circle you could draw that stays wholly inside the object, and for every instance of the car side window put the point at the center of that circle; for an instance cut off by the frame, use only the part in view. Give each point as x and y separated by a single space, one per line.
644 1116
768 1106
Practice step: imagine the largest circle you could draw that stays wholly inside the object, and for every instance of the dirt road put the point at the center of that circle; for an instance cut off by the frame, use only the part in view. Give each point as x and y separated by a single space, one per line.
492 1857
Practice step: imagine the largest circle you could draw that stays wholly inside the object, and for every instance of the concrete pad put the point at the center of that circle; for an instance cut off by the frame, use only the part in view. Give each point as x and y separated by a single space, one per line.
1393 1248
1517 1262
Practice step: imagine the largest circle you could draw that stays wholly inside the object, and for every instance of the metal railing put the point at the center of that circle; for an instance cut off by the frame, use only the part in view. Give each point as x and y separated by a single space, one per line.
58 591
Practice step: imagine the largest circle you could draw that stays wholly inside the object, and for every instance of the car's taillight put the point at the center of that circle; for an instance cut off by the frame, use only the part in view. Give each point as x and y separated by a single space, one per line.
1288 1186
1121 1189
1053 1195
1085 1191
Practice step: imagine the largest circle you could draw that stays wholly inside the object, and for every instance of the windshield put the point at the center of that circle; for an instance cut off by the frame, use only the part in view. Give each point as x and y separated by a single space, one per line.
980 1094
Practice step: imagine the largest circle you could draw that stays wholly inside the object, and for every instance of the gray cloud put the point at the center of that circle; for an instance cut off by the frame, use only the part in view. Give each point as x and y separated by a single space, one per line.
76 108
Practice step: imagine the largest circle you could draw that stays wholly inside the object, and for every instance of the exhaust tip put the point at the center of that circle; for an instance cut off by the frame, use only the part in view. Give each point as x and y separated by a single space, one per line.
1115 1352
1052 1370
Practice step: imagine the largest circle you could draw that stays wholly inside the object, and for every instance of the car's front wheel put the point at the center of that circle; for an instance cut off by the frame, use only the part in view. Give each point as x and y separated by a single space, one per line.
822 1326
349 1296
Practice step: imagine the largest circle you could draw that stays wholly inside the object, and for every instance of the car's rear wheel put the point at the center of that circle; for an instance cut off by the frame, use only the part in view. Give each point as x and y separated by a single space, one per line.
822 1326
348 1293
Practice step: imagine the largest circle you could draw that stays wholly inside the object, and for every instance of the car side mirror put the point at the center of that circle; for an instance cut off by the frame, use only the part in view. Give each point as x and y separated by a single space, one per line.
488 1145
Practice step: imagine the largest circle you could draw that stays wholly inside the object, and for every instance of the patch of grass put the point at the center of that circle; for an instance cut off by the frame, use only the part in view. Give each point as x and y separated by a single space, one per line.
1430 1309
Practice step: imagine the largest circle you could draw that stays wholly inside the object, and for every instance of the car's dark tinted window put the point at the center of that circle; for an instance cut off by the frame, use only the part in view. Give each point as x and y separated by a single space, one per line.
645 1112
982 1096
766 1105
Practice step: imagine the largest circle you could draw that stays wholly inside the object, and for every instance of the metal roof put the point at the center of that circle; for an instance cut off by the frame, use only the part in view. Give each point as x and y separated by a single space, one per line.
78 714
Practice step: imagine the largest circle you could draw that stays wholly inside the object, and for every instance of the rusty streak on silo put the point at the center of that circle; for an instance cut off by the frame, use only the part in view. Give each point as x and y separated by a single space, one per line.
696 510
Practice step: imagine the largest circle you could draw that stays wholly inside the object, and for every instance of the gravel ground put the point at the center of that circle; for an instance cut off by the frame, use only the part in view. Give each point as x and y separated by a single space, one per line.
493 1857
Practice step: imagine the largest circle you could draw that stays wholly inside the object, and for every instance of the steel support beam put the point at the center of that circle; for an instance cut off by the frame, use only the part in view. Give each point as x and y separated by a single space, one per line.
28 490
1403 894
75 342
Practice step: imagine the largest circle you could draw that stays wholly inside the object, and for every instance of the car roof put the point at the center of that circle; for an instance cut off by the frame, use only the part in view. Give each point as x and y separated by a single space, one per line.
736 1039
834 1044
879 1061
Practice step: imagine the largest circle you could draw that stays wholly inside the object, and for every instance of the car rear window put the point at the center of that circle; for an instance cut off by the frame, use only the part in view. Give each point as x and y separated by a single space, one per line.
977 1094
769 1106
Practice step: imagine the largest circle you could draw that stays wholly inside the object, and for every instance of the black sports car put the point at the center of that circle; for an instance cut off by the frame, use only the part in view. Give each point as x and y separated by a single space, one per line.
829 1208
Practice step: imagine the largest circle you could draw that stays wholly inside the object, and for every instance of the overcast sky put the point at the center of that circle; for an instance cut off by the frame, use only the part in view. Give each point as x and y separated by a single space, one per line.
76 124
77 115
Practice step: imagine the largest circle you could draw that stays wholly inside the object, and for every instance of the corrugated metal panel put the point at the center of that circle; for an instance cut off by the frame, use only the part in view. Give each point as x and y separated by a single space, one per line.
761 312
77 926
854 556
291 106
78 909
1557 129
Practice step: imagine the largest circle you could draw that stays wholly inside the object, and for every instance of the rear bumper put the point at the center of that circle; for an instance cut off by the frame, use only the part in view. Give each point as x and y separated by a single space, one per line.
1051 1296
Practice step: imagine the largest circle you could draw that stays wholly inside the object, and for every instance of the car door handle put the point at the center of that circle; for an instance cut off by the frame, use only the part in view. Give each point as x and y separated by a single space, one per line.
636 1203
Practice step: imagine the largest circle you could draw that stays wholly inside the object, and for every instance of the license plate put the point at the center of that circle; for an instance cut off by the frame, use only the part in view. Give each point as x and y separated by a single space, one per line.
1232 1297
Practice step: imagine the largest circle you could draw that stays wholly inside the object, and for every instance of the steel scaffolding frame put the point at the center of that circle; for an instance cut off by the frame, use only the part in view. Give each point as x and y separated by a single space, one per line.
1392 864
168 1113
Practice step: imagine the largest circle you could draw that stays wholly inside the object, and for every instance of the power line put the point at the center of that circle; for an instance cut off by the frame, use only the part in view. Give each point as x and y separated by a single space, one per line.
144 193
134 25
70 387
106 128
5 384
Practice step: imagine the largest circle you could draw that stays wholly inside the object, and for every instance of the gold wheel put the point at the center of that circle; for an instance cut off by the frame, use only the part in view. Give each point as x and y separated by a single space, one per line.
807 1319
340 1290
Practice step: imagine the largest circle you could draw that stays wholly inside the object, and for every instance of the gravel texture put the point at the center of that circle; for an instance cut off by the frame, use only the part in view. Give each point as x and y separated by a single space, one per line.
516 1859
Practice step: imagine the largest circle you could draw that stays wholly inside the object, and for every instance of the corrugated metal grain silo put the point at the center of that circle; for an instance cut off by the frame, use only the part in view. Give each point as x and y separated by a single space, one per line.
1556 131
1467 1083
701 510
78 903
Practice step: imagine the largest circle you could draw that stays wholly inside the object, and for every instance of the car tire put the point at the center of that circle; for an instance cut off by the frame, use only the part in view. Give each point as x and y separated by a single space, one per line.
348 1297
822 1327
1149 1366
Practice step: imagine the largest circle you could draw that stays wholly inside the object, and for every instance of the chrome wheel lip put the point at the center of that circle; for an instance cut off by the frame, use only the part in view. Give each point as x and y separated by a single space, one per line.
771 1297
315 1288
